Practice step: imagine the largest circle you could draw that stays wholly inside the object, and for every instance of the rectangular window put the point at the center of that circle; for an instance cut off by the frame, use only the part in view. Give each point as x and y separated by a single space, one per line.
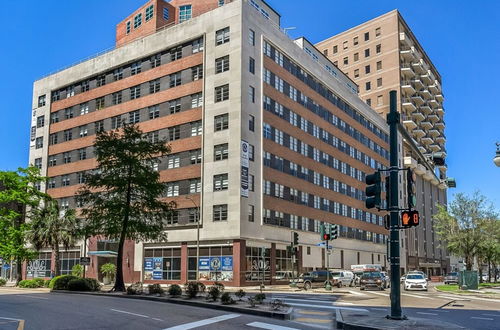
84 109
251 37
222 93
367 52
355 41
175 79
251 94
222 64
149 13
118 74
82 153
134 117
81 177
221 182
195 157
344 45
153 137
368 86
70 91
173 161
378 32
251 152
65 181
85 86
128 27
53 139
221 3
185 13
68 135
154 111
220 212
379 82
83 131
116 98
367 69
40 121
174 106
367 36
135 92
196 100
172 189
346 60
197 45
378 48
155 60
369 102
251 182
101 80
356 57
356 73
221 151
197 72
325 52
176 53
251 65
41 100
137 21
51 183
379 65
221 122
99 103
68 113
174 133
154 86
165 13
251 213
135 68
99 126
380 100
251 123
194 186
54 117
56 96
222 36
66 157
116 122
52 161
196 128
335 49
38 163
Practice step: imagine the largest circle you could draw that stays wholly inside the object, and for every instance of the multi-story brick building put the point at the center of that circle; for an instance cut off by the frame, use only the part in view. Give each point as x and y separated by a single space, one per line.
267 137
381 55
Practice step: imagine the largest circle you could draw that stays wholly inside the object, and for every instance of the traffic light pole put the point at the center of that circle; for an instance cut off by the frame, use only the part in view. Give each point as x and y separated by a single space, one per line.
393 119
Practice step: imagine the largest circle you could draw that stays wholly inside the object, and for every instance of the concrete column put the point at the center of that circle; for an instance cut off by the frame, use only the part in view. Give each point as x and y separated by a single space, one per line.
184 262
239 262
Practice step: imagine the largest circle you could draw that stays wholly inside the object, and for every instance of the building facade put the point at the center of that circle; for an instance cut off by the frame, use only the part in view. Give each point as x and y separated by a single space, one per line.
268 137
381 55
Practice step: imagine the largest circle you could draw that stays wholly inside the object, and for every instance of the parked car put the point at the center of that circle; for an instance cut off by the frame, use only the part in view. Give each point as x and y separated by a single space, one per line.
315 279
415 282
402 279
283 276
371 280
343 277
451 278
387 280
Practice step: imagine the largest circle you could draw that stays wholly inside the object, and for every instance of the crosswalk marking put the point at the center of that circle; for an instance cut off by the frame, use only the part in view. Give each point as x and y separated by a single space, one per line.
201 323
329 307
263 325
379 293
312 320
308 300
356 293
425 313
304 311
416 296
481 318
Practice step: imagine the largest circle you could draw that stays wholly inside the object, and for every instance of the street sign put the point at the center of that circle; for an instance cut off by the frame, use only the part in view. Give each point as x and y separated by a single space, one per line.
85 261
322 244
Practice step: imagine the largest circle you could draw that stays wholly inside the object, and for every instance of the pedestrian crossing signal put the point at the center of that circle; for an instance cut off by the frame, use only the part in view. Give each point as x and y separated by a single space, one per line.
410 219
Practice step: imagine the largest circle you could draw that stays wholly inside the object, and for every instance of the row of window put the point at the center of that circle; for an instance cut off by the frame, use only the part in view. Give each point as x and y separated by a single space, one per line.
368 69
149 15
144 64
355 41
283 165
378 50
296 222
319 133
286 63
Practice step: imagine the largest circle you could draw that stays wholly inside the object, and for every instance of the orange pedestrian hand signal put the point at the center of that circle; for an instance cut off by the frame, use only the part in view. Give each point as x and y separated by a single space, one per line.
410 218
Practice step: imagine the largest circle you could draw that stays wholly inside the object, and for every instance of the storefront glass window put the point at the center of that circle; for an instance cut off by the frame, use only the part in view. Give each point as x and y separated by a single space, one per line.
39 267
216 263
68 260
162 264
258 267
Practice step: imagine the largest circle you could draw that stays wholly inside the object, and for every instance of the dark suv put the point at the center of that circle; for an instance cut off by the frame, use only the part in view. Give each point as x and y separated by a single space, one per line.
371 280
315 279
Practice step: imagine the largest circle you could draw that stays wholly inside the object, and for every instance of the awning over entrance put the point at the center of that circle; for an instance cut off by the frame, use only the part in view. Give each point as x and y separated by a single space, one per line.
108 254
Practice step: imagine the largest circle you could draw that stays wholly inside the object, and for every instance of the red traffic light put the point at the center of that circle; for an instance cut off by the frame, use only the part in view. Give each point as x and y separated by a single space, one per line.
410 218
326 237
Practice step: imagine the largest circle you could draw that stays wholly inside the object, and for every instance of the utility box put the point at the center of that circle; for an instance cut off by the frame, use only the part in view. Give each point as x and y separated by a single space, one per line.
468 280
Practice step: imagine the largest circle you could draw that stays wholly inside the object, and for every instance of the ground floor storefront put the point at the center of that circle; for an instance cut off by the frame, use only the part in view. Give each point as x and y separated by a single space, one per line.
432 267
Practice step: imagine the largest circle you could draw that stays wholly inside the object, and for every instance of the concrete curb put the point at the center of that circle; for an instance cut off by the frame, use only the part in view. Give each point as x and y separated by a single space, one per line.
230 308
472 294
341 324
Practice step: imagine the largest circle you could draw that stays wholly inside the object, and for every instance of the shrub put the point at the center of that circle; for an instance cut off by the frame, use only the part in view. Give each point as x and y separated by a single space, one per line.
201 287
61 282
213 293
46 283
3 281
226 299
259 297
240 294
28 284
192 289
220 286
77 270
78 284
93 284
251 301
174 290
109 270
155 289
135 288
40 282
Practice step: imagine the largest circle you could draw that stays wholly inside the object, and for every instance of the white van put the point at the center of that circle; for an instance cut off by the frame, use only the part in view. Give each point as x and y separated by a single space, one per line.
343 277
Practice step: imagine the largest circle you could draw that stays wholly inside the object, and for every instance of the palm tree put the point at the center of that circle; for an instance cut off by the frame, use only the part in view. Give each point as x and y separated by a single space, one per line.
53 228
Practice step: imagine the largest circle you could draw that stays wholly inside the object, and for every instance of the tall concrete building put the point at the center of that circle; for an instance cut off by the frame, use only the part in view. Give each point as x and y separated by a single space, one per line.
381 55
267 137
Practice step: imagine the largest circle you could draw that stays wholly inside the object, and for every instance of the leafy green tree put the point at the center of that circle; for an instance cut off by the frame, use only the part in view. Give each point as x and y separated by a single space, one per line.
17 194
52 228
489 247
121 197
460 225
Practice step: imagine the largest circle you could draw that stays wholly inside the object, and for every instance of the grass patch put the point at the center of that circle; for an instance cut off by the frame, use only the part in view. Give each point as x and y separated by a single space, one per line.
488 285
447 287
454 288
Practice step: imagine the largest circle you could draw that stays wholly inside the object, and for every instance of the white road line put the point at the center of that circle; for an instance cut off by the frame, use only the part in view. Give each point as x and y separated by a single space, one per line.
416 296
203 322
309 300
154 318
263 325
481 318
468 297
356 293
379 309
424 313
8 318
495 315
125 312
329 307
379 293
25 295
440 311
342 303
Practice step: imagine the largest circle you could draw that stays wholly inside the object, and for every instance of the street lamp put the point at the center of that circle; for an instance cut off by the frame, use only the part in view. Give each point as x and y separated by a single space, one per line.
197 219
496 159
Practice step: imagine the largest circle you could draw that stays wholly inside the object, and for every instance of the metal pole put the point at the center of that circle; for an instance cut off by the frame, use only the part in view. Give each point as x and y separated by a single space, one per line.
393 119
84 254
197 215
328 286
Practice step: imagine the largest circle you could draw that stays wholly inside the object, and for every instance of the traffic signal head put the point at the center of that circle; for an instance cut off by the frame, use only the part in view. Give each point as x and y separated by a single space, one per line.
295 238
334 232
322 230
411 186
373 190
326 237
326 232
410 219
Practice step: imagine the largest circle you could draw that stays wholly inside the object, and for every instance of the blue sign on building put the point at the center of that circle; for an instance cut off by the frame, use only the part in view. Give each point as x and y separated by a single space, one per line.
148 263
157 275
204 264
227 263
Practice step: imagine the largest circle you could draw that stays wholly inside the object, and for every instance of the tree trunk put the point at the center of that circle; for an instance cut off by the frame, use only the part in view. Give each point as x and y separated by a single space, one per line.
119 282
19 267
469 262
57 260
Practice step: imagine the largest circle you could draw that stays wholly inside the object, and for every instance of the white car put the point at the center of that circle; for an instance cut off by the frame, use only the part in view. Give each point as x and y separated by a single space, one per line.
343 277
415 282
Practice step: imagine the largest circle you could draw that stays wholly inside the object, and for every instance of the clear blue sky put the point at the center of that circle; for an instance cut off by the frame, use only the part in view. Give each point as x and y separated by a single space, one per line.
461 38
